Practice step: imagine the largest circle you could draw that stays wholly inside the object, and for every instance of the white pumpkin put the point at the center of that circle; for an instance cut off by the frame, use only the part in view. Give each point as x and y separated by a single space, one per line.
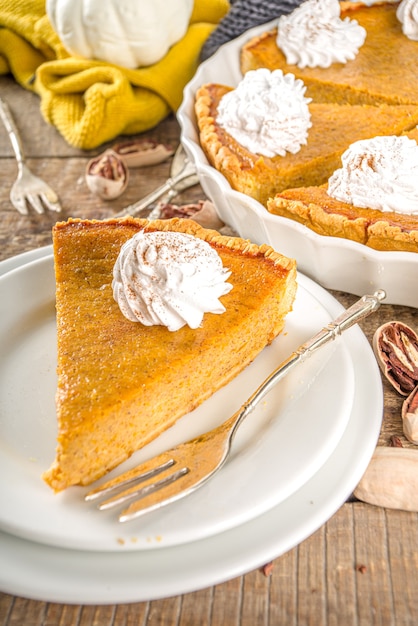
130 33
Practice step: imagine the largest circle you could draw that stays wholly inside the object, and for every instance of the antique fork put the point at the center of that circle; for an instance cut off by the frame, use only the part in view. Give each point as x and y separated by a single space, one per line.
28 189
186 467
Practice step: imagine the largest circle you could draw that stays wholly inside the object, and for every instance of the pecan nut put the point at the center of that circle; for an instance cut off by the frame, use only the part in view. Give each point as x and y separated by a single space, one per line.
396 348
107 175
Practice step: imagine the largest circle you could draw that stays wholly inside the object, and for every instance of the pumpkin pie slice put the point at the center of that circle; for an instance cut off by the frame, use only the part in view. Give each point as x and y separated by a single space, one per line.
384 70
325 215
120 383
313 207
334 128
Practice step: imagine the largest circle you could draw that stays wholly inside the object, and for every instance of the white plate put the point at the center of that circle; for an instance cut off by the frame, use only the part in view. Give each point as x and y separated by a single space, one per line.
54 574
333 262
284 442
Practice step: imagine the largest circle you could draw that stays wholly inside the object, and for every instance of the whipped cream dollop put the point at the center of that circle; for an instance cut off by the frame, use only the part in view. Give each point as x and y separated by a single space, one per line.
267 113
407 14
169 279
314 35
379 173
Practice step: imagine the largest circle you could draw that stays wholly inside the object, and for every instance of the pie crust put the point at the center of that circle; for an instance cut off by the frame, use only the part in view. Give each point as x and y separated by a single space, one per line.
334 128
313 207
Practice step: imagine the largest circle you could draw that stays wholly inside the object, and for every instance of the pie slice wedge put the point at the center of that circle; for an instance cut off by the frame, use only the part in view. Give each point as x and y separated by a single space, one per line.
120 384
334 128
383 71
313 207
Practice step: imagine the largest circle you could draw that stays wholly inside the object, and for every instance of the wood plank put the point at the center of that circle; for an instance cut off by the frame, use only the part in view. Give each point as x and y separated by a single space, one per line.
226 603
27 612
374 585
62 615
196 608
164 612
133 614
311 606
402 530
340 569
6 608
255 599
284 589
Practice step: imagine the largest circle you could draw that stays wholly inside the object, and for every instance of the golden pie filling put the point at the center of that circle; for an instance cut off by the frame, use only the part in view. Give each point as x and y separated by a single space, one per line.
383 71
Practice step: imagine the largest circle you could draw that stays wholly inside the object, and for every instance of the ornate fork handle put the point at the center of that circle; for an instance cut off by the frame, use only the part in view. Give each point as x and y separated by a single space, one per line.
12 131
351 316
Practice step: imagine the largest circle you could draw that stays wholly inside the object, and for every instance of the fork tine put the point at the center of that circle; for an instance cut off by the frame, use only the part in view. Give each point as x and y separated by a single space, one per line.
142 491
138 474
166 491
173 485
18 202
51 201
35 202
139 483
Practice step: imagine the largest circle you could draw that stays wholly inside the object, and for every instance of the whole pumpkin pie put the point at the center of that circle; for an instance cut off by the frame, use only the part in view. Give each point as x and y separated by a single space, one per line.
334 128
383 71
121 383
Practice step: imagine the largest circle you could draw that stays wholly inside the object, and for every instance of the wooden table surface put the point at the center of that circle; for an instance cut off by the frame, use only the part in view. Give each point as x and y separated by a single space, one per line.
360 568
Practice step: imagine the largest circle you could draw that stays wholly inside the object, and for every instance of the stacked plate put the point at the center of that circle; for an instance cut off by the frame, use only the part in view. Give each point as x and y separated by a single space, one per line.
333 262
295 461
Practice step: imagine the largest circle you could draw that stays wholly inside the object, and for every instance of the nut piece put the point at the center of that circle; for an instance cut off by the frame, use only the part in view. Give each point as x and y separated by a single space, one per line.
396 348
391 479
410 416
107 175
142 152
396 442
203 212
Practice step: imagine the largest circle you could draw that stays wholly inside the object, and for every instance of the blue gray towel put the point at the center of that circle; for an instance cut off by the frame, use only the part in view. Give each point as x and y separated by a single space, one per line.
245 14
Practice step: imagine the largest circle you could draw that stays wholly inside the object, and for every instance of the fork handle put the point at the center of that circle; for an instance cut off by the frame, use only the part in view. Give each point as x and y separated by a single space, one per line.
12 131
354 314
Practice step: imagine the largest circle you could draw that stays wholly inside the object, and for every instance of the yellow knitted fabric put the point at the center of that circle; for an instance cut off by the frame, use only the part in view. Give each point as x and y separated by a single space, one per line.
91 102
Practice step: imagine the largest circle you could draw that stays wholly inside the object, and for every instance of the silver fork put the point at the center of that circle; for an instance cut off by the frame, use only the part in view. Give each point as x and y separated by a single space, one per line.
186 467
28 189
